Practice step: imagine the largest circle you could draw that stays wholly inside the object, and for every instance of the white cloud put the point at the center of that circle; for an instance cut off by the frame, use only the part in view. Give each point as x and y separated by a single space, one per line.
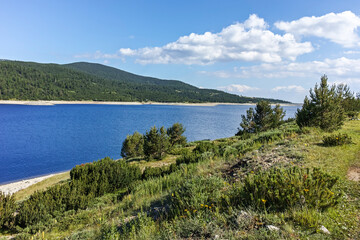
291 88
237 88
340 28
343 68
248 41
97 55
351 52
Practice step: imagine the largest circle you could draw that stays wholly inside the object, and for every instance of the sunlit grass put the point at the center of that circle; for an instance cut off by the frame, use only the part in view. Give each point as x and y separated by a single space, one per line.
51 181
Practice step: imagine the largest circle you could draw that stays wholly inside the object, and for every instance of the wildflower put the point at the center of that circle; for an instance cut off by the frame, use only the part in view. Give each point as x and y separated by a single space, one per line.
206 206
194 210
252 172
305 144
209 207
263 200
306 190
172 194
202 205
186 210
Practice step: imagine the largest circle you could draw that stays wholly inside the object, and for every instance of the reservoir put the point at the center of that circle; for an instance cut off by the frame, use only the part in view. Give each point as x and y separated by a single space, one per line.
38 140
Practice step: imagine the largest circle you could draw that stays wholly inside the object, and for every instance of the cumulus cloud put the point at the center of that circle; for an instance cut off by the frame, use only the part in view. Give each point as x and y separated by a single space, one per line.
340 67
237 88
248 41
291 88
340 28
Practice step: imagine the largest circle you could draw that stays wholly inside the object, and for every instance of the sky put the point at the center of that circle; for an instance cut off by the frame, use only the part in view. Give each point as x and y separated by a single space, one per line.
259 48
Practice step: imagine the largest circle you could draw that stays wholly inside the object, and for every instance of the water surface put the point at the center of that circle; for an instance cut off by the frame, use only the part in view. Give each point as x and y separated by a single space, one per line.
38 140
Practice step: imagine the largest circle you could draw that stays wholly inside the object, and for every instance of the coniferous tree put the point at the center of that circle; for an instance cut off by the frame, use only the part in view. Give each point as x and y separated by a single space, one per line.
261 119
324 108
133 146
175 133
156 143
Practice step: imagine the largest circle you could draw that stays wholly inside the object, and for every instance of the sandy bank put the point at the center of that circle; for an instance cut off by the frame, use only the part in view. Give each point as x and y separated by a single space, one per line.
17 186
49 103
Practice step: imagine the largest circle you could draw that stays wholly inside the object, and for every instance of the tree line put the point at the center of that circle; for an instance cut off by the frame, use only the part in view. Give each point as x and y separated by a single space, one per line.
155 144
326 107
86 81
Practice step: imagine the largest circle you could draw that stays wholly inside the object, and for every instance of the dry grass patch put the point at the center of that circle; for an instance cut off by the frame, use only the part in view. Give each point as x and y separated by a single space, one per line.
51 181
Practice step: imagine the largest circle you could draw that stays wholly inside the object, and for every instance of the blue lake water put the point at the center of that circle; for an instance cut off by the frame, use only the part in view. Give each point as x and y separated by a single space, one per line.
38 140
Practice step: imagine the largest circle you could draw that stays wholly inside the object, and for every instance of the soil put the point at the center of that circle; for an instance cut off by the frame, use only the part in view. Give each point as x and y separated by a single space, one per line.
353 174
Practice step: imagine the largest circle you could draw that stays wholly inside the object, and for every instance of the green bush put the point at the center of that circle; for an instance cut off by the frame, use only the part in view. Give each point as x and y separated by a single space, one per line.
179 150
337 139
269 136
206 147
7 210
87 182
198 194
188 157
244 146
280 189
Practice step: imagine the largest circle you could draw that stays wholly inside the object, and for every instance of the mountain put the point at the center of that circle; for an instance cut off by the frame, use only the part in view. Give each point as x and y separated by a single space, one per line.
90 81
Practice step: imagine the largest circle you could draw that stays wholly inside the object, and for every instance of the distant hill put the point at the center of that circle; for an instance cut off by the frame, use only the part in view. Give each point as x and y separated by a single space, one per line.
90 81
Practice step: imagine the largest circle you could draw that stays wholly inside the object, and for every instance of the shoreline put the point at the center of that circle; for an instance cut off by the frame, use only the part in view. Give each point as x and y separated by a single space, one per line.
13 187
55 102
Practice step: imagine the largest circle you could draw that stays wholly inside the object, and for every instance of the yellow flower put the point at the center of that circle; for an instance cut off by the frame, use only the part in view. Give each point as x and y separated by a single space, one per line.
331 193
263 200
194 210
186 210
337 138
252 172
306 190
206 205
209 207
202 205
172 194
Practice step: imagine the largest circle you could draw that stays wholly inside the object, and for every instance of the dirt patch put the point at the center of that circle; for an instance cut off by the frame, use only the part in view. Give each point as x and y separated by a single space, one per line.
264 158
353 174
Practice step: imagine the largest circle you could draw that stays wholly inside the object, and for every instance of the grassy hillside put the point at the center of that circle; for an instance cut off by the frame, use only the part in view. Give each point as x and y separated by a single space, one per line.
208 199
88 81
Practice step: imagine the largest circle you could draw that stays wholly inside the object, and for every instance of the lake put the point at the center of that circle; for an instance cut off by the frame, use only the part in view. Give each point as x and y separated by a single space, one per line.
38 140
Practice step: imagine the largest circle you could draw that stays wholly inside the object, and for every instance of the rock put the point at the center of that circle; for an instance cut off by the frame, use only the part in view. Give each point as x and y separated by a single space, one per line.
324 230
272 228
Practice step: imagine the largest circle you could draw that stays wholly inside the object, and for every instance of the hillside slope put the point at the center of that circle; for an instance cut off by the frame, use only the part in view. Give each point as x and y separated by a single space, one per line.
200 200
89 81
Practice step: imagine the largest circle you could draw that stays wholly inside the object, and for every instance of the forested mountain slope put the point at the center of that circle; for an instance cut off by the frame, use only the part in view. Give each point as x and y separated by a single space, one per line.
89 81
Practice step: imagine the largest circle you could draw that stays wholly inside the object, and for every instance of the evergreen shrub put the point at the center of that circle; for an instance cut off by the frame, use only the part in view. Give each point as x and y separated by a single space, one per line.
337 139
284 188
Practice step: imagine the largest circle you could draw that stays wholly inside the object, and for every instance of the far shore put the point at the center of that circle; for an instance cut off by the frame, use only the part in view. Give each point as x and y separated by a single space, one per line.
51 102
11 188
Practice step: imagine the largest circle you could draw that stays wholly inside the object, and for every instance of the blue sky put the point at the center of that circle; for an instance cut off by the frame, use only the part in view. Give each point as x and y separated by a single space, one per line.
275 49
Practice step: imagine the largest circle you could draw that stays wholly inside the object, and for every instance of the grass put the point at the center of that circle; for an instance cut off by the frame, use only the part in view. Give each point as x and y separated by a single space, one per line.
142 163
51 181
